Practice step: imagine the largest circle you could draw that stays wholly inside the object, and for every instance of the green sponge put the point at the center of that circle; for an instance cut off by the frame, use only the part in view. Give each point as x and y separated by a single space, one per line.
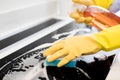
54 63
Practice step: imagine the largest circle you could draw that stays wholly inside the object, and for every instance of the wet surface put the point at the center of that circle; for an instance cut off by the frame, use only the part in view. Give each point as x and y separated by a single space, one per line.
30 63
29 66
95 70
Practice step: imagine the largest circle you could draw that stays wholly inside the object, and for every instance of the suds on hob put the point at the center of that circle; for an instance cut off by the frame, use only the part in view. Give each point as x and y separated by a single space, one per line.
96 70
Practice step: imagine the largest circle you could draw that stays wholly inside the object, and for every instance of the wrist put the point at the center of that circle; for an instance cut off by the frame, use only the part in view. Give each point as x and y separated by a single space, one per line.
95 41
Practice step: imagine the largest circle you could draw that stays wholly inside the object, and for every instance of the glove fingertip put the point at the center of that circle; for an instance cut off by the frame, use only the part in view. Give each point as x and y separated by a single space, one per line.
44 54
62 63
50 59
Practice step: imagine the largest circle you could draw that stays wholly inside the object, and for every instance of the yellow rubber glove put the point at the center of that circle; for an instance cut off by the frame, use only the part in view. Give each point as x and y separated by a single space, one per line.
79 17
109 38
71 48
76 46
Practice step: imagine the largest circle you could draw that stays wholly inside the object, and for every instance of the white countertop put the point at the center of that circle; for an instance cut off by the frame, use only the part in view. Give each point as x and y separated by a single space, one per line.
114 73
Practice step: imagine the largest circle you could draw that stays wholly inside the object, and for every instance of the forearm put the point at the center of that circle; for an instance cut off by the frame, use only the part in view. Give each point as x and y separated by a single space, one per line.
109 39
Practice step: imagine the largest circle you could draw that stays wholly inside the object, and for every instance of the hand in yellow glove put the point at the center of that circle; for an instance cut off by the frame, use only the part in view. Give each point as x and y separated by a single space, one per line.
76 46
95 16
79 17
79 14
70 48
